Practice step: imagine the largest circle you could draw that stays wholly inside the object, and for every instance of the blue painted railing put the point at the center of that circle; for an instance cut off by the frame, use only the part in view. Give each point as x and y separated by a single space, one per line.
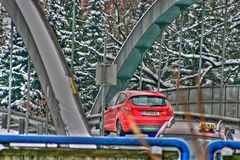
216 145
129 141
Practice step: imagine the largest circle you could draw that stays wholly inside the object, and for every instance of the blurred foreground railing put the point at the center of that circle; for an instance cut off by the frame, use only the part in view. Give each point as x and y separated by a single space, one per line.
125 141
218 145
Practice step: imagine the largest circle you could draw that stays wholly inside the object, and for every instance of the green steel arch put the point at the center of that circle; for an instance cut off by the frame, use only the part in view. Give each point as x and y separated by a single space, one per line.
142 37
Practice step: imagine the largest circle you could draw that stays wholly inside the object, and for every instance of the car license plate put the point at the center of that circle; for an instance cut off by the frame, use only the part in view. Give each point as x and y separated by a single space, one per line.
150 113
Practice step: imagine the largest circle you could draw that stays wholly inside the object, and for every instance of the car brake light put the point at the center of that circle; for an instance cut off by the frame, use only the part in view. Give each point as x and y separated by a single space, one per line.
170 110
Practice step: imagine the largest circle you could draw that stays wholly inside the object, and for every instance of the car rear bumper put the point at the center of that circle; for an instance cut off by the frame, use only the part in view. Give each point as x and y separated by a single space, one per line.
149 128
144 125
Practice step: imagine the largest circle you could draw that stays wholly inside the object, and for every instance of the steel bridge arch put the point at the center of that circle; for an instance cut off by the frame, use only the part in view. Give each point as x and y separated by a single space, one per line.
52 70
141 38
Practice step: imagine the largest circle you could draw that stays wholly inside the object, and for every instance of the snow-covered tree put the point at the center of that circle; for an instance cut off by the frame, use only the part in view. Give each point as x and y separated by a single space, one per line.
212 47
19 69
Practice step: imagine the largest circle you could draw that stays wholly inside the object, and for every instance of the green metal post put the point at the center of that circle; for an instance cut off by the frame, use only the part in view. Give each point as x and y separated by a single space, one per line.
10 80
160 57
223 57
201 41
103 87
179 59
28 96
73 34
141 70
200 98
47 113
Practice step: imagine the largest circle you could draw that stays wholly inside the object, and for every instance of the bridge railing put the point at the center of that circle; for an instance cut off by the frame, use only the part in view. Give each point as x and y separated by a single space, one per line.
227 106
218 145
94 120
119 141
123 141
33 122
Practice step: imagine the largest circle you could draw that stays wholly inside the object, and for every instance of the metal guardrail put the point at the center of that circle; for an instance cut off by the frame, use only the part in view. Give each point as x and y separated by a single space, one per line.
22 115
33 121
235 122
229 110
190 100
94 120
126 141
217 145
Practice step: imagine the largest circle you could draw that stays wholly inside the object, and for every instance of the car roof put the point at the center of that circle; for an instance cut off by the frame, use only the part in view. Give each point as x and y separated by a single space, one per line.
131 93
189 128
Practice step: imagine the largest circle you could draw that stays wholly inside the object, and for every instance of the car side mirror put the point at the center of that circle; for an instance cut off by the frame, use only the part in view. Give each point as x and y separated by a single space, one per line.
106 107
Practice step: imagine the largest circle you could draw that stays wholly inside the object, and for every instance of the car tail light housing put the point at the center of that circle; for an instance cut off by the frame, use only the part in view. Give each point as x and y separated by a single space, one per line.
170 110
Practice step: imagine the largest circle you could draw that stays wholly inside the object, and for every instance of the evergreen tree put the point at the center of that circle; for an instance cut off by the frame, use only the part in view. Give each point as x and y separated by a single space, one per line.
19 70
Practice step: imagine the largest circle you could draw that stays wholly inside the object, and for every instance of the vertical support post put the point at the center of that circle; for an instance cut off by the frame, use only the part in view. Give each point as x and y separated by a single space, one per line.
189 104
73 34
40 128
10 80
200 98
46 121
103 87
225 99
238 101
141 69
28 96
4 121
199 89
223 58
21 126
47 113
201 41
212 100
179 59
160 57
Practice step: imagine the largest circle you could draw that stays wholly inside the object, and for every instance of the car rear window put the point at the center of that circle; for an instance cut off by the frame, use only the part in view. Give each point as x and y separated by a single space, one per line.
148 101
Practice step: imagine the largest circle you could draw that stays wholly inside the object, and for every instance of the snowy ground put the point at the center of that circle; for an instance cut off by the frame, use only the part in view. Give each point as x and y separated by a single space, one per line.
4 131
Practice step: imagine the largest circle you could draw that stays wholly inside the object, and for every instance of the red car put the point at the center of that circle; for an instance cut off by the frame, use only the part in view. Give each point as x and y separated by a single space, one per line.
136 111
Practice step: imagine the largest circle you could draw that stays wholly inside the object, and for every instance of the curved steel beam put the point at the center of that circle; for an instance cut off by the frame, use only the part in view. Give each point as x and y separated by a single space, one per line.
49 62
142 37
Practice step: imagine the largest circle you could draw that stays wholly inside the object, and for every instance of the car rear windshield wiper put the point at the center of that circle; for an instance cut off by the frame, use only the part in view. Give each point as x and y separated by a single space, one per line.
155 105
